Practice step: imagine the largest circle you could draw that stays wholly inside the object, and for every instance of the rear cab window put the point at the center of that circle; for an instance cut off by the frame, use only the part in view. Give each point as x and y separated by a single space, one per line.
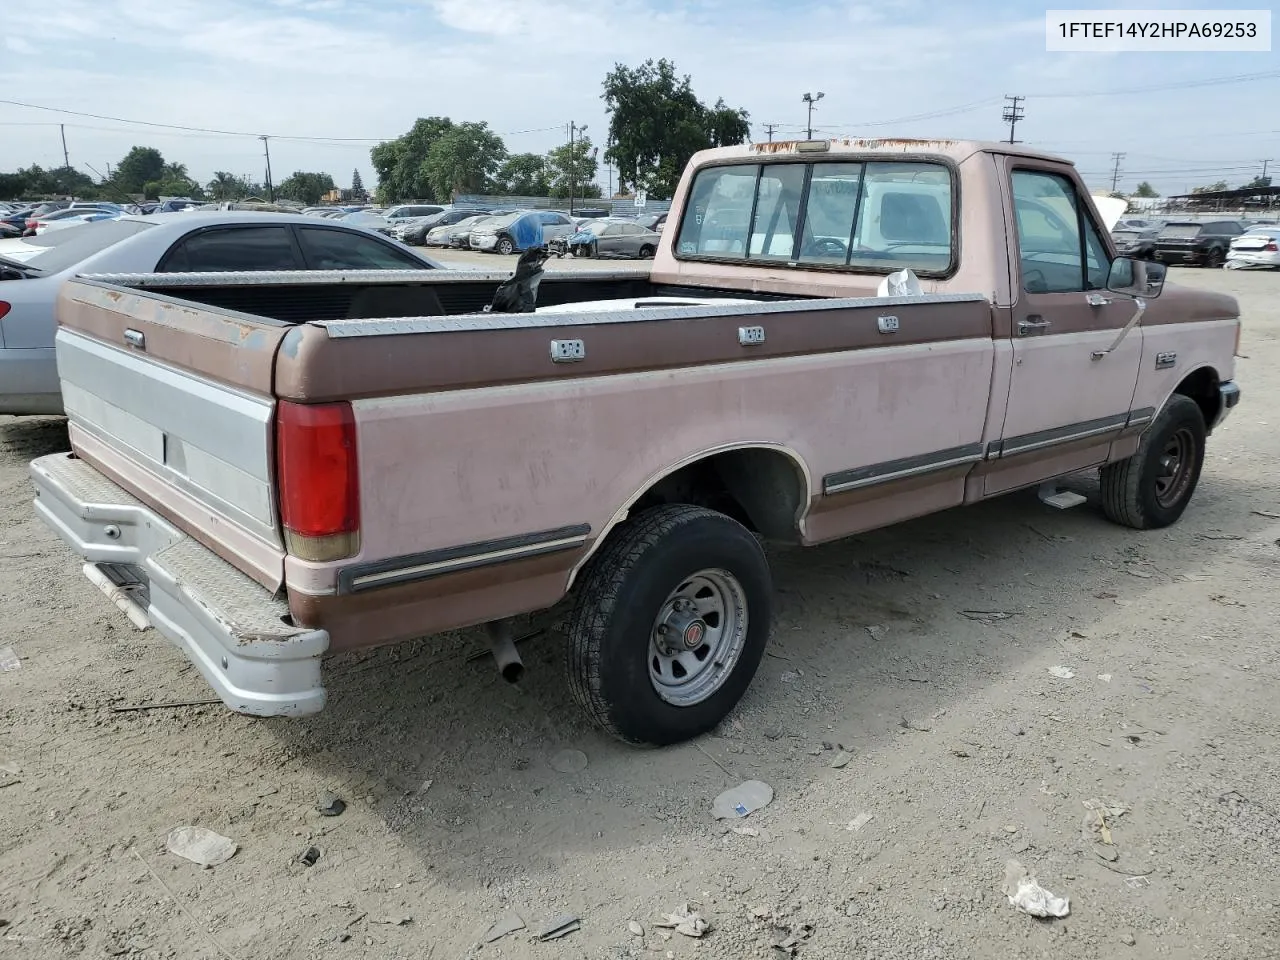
867 217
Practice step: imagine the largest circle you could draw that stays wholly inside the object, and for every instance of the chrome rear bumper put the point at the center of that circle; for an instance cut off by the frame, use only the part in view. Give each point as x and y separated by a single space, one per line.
234 631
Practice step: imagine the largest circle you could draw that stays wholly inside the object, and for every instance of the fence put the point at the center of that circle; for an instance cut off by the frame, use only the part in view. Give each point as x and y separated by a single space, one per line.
624 207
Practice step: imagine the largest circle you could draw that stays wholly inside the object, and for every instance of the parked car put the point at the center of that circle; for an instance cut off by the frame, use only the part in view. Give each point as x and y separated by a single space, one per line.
456 234
368 220
1259 247
1136 242
1202 244
33 270
60 219
652 221
610 238
406 211
517 232
288 486
414 232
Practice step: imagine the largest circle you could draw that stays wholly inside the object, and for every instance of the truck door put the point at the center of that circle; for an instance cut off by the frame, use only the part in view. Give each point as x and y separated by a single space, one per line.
1065 406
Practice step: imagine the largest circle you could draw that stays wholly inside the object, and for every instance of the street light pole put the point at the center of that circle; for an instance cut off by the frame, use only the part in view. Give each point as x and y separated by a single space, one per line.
812 101
573 173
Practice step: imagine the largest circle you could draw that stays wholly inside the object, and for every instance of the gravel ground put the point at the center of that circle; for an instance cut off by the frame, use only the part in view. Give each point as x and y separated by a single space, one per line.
965 751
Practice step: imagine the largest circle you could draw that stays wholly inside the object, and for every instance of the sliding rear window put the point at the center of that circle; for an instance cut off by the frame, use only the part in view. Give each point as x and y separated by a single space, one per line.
865 217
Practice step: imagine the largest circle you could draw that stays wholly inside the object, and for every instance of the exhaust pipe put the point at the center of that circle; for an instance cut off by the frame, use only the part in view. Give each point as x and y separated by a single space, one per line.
502 643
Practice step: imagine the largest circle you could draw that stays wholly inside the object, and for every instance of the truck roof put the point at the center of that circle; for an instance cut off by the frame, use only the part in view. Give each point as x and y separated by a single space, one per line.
955 150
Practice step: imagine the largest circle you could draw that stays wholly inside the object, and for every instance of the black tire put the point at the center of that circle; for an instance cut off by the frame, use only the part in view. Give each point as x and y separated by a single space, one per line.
1131 489
617 602
505 246
1214 258
646 252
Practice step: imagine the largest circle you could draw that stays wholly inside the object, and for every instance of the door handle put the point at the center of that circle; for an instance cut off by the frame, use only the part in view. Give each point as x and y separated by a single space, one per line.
1096 300
1033 324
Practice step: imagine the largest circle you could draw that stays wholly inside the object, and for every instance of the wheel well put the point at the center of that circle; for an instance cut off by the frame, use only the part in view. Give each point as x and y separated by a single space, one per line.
763 489
1202 387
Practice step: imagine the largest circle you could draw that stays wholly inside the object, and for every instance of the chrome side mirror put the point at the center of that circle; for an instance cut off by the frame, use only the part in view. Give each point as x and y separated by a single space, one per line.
1136 278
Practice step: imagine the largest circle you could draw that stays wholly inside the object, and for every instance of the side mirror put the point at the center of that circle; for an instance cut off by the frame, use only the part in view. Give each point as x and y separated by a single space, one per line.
1136 278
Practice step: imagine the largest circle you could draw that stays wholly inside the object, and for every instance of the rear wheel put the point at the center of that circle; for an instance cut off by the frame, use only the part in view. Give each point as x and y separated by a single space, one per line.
1152 488
505 246
646 252
668 624
1214 258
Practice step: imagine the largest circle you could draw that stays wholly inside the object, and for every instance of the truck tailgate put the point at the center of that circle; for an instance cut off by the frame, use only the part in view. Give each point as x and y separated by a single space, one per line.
173 402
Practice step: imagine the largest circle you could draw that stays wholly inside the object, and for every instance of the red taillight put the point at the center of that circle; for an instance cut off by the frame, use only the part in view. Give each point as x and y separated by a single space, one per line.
4 309
31 224
318 479
1271 247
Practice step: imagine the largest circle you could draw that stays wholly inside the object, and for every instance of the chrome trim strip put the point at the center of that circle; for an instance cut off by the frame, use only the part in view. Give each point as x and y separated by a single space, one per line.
1030 442
1139 417
455 323
435 563
860 477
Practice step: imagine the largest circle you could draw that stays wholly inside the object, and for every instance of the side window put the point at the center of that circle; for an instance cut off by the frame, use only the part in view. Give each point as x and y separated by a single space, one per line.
347 250
234 249
614 230
773 231
714 223
1059 249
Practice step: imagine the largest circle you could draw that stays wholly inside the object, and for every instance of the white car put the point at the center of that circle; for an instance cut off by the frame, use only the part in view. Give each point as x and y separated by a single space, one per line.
71 217
1259 247
32 271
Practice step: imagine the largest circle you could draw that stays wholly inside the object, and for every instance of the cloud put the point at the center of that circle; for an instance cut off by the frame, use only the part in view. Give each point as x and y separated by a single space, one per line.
366 69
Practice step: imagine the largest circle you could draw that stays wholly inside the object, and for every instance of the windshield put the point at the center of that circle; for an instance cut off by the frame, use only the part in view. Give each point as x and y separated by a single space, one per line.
1181 230
1126 235
70 245
502 221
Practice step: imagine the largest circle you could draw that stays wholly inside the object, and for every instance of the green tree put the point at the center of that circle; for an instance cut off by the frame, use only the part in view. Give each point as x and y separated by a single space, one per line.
138 167
1145 190
305 187
656 123
1257 183
357 184
573 170
523 175
464 160
1211 188
400 163
228 186
13 185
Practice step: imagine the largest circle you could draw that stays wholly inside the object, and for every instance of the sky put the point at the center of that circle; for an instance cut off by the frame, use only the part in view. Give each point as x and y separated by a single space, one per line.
326 79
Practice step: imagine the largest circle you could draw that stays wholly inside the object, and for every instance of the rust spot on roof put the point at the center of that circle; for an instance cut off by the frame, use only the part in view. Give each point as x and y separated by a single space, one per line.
776 146
890 143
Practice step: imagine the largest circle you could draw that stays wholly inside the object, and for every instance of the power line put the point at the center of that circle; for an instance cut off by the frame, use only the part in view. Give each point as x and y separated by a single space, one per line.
1013 113
770 128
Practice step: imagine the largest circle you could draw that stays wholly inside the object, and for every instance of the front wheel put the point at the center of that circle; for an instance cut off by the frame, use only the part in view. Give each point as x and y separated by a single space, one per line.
1152 488
668 624
1214 259
646 252
505 246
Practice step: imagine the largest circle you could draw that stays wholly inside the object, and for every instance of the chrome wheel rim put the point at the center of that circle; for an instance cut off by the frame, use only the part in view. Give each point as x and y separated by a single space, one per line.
697 637
1174 472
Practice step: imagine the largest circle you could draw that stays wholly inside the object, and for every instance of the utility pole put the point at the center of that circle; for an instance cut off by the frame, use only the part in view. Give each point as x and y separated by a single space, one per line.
812 101
266 149
66 158
1115 170
1264 168
769 128
573 171
1013 112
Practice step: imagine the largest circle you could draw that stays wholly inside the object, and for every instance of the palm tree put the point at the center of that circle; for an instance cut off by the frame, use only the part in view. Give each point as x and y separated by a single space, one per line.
223 186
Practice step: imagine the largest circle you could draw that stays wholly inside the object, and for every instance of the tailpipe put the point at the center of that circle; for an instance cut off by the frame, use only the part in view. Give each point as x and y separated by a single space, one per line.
503 645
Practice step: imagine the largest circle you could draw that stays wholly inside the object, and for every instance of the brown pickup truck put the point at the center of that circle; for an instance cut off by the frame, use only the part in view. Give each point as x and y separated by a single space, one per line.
272 467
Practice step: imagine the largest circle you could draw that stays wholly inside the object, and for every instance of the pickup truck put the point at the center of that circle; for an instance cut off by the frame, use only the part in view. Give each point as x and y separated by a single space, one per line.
274 467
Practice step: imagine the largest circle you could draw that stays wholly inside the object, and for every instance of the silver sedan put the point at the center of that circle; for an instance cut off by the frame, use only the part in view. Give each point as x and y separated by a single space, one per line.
32 270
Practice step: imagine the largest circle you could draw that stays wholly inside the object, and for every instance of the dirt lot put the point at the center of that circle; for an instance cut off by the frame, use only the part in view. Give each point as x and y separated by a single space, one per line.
966 752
